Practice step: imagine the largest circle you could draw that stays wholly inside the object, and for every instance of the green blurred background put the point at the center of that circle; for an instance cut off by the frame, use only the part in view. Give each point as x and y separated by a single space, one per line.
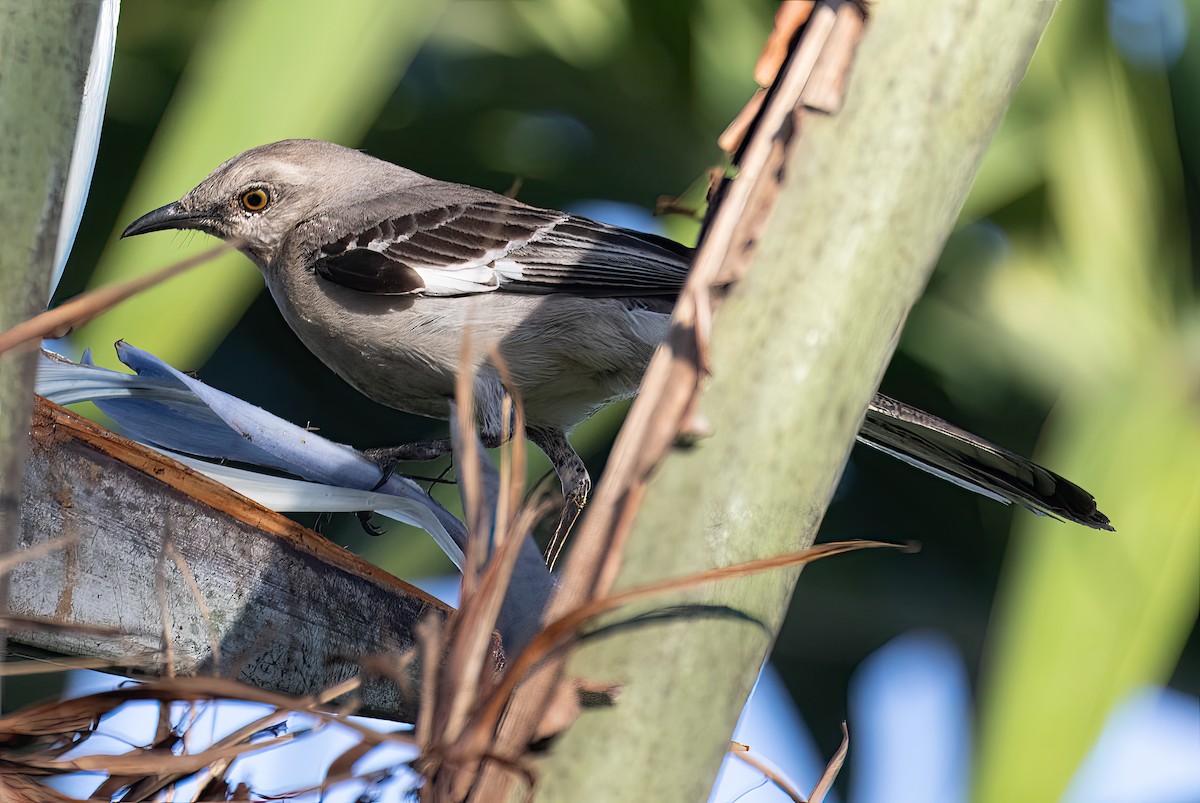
1062 320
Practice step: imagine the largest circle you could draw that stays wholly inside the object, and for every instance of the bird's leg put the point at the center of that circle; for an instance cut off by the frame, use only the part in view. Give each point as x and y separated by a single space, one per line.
427 450
573 475
488 395
388 457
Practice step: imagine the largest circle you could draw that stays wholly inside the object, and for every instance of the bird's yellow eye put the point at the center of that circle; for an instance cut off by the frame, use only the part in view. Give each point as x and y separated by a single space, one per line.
255 200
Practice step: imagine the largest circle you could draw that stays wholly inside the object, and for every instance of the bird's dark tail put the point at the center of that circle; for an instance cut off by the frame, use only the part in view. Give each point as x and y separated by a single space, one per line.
936 446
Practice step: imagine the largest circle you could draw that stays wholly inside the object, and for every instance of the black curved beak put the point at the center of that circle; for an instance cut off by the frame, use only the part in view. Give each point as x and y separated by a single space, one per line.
171 216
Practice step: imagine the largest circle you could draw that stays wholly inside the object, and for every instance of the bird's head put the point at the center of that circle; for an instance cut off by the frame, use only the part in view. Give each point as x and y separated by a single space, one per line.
259 196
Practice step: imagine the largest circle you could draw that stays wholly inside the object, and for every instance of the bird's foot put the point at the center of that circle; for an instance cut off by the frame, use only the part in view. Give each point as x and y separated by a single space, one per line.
364 518
387 458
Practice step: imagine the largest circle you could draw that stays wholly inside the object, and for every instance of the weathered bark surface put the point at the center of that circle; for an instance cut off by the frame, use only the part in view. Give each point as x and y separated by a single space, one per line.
267 602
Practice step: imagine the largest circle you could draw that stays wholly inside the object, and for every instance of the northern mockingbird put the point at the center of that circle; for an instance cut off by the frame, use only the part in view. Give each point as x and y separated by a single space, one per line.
380 271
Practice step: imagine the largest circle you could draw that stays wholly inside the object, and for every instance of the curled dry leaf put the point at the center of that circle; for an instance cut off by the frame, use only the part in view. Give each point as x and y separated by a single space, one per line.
833 768
789 18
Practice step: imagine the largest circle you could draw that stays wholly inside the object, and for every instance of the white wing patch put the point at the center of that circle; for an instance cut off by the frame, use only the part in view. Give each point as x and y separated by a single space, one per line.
457 281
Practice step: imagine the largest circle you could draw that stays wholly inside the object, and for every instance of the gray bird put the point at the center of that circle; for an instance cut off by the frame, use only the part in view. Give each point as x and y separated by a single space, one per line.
380 271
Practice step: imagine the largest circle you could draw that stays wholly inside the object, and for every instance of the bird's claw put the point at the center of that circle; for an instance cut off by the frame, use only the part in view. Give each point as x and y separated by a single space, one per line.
364 518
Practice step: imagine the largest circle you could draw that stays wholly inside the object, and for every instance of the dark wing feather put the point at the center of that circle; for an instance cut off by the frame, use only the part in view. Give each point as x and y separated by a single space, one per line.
370 272
496 244
588 258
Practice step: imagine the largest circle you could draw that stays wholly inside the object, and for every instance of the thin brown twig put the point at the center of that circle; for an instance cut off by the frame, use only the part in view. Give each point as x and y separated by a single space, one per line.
469 475
44 624
506 505
470 634
214 643
430 635
197 687
140 761
469 642
216 758
164 607
495 584
772 774
467 674
84 308
833 768
14 559
42 666
516 456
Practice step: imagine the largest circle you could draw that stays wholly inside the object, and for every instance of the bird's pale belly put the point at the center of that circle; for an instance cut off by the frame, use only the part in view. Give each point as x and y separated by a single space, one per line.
567 356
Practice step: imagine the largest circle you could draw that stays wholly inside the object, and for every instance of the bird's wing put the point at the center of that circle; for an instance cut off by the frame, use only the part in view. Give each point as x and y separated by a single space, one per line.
478 246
